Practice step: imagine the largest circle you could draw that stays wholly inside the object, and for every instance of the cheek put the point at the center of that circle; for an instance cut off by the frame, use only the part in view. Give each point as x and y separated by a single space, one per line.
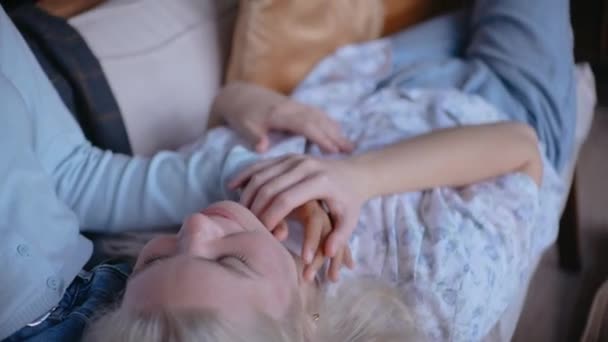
280 271
267 253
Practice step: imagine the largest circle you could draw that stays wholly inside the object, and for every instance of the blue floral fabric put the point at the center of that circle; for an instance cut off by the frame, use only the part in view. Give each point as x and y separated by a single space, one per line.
459 256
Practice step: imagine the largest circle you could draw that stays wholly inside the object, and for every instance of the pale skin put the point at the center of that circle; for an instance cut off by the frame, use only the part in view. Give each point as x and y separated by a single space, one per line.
273 188
254 111
223 259
451 157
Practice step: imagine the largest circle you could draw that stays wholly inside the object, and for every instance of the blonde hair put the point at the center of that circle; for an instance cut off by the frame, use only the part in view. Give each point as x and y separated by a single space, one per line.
167 325
360 310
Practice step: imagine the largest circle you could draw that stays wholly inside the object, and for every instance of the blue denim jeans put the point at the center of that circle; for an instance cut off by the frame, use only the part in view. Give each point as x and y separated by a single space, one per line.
90 292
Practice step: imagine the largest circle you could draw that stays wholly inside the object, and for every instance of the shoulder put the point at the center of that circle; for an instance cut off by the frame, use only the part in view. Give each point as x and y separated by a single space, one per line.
17 69
17 121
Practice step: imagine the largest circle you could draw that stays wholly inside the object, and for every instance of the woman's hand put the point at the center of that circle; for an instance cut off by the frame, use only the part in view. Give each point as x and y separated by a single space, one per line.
274 188
253 111
316 228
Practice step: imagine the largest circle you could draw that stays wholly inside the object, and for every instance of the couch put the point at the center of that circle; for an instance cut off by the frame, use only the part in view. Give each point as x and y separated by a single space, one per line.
142 36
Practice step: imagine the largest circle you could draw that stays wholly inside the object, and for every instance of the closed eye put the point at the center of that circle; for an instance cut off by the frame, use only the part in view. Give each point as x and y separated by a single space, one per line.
238 264
154 259
234 263
238 257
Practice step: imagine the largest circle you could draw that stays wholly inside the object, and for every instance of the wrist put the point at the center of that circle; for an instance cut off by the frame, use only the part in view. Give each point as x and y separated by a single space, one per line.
361 177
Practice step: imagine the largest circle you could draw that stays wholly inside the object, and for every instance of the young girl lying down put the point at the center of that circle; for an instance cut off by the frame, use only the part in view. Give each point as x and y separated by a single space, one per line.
432 256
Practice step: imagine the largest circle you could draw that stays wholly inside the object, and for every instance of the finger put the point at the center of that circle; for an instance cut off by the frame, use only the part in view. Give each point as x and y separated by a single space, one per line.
282 180
317 135
252 169
312 238
259 180
343 228
262 144
333 130
311 269
335 241
253 134
281 205
342 144
281 232
307 121
348 258
339 139
335 264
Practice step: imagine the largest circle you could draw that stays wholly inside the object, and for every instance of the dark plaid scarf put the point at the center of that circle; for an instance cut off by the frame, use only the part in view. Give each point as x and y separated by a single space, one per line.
75 73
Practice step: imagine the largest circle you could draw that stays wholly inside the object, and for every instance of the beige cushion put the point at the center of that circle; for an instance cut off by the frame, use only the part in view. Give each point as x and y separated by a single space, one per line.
164 61
399 14
277 42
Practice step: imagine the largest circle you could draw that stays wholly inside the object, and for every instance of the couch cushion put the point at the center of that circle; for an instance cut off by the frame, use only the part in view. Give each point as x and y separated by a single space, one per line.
277 42
164 63
399 14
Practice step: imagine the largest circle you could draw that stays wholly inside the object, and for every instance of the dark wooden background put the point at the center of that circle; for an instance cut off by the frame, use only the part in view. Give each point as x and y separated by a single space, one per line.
590 23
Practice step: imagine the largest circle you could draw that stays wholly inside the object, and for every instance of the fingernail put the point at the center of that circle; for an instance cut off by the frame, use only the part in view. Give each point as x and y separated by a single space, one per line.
308 256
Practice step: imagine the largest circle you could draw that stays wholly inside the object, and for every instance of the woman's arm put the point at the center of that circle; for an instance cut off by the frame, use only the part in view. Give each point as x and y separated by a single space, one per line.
450 157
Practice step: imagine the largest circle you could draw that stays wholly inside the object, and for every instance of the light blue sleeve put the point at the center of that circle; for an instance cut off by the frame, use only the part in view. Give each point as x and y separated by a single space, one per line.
106 191
529 46
516 54
111 192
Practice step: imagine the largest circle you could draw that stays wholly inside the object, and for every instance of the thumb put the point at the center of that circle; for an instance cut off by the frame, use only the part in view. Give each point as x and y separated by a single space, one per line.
262 144
256 136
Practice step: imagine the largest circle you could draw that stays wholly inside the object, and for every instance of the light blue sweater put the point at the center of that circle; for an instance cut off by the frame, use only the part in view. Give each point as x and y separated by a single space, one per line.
55 184
516 54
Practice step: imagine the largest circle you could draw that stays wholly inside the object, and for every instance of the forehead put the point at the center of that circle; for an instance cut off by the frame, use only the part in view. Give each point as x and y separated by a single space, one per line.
180 275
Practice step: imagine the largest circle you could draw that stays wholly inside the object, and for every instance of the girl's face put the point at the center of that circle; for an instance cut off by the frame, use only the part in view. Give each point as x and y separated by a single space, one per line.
221 259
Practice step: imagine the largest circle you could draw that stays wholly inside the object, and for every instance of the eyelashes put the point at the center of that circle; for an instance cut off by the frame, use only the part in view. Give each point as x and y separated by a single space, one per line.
151 260
238 257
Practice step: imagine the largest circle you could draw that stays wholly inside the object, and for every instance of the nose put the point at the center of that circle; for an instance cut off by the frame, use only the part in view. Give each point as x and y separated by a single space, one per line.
197 232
